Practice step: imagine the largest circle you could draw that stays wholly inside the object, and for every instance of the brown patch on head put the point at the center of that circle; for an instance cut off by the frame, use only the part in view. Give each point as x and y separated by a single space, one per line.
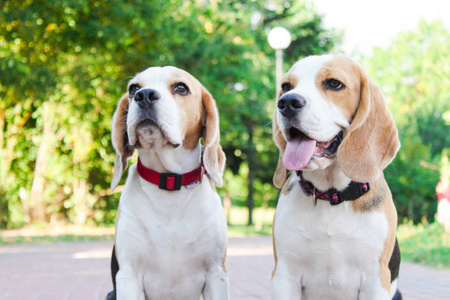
346 71
199 119
213 156
120 140
371 141
288 78
190 107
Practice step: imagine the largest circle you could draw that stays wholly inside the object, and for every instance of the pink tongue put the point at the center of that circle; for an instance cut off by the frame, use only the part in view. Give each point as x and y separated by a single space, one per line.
298 153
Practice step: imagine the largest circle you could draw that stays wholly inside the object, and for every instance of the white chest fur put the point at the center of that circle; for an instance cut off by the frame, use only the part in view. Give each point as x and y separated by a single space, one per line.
171 241
330 252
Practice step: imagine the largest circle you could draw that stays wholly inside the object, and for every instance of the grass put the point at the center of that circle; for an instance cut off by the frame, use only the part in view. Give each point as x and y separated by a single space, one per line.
427 244
53 234
70 233
47 239
238 219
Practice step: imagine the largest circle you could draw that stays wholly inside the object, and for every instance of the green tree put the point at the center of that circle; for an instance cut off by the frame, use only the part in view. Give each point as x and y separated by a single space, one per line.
64 65
247 107
414 74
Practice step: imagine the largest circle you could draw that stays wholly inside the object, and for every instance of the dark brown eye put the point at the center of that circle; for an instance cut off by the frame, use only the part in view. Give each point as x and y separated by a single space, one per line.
333 84
133 89
286 87
180 88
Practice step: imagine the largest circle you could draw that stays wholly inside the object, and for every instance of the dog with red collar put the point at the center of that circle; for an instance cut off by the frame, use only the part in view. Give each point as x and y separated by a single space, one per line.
171 233
335 222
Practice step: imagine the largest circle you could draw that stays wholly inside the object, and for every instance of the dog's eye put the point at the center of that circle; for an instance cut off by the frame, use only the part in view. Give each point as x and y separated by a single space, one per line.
180 88
333 84
133 89
286 87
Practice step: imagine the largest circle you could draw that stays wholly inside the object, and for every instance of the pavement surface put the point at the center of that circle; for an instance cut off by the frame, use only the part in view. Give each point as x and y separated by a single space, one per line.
80 271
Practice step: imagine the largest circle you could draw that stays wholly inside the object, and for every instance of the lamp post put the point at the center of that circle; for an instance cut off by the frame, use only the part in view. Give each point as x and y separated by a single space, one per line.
279 38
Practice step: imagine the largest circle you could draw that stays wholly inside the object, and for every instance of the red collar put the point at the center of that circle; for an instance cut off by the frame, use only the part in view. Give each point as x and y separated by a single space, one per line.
170 181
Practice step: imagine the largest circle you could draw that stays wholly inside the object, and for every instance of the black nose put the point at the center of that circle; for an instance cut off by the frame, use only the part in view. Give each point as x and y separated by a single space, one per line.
146 96
290 104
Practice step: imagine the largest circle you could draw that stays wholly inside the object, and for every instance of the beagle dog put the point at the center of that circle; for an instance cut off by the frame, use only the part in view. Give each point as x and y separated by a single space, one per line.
171 234
334 232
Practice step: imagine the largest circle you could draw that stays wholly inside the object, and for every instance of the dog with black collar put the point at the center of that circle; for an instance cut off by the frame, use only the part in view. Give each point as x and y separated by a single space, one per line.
335 222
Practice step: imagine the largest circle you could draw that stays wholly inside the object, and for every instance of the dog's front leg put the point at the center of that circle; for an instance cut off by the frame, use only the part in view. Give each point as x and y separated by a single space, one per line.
216 286
372 289
129 286
285 286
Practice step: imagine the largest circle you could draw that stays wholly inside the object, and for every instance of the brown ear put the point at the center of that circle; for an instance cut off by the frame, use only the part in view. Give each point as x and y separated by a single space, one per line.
213 156
279 178
120 141
371 142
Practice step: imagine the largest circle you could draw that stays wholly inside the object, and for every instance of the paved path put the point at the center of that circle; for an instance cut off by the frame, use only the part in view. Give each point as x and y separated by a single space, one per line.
80 271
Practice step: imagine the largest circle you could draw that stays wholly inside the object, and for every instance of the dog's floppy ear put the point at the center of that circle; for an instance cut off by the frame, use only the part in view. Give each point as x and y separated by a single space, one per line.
120 141
279 178
213 156
371 142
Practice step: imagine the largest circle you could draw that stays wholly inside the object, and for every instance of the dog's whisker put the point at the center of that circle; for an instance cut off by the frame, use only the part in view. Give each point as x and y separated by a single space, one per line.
270 123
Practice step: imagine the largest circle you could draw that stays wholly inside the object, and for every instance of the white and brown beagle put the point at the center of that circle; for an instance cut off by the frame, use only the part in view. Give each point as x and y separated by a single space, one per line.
171 234
335 223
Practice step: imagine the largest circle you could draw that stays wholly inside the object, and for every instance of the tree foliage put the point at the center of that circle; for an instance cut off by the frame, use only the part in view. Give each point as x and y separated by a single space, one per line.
414 74
64 65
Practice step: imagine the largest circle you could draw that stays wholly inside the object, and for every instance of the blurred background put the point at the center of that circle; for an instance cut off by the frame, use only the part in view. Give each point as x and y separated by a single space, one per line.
65 64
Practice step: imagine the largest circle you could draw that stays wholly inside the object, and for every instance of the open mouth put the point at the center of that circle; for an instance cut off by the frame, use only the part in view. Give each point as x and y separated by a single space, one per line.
323 149
300 149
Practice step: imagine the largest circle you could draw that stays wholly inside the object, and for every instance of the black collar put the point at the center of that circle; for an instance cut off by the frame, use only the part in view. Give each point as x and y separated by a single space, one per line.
353 191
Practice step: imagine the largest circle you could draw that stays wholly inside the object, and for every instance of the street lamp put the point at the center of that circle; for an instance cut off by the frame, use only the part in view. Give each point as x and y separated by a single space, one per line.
279 39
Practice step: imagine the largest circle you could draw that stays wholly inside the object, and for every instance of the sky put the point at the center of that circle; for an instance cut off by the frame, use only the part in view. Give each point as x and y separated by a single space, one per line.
375 23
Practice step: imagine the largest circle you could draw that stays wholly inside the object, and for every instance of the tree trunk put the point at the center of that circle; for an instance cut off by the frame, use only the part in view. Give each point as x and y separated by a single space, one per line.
227 207
2 124
37 209
80 197
251 173
264 207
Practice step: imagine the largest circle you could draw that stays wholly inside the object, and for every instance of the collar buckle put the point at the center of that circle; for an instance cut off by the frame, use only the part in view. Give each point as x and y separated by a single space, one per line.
170 181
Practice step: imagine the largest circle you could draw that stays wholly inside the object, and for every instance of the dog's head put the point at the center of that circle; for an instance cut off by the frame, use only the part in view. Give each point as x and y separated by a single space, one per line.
328 111
166 108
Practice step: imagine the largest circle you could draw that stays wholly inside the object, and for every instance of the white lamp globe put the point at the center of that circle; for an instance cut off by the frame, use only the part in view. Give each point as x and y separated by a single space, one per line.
279 38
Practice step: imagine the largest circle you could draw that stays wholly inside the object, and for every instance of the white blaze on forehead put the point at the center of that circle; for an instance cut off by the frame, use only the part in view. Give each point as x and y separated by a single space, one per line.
165 108
306 69
319 119
154 77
